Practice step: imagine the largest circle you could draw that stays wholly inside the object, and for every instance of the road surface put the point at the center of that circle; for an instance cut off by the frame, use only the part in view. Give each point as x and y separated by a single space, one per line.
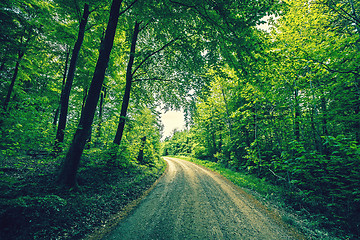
190 202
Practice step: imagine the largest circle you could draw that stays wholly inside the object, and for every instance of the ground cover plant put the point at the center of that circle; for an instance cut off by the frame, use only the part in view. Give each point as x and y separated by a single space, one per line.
34 207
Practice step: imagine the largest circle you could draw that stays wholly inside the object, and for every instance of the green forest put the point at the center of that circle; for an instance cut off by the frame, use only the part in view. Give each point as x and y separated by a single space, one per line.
269 88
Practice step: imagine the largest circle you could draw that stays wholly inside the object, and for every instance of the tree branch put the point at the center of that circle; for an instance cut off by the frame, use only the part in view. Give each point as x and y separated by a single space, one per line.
335 71
128 7
152 79
153 53
147 24
322 64
280 177
342 12
181 4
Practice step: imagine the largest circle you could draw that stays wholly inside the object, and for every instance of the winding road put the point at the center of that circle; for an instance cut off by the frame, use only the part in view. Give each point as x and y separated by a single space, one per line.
191 202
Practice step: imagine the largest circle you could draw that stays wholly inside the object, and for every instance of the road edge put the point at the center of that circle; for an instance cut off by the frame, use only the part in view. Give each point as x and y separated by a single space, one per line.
112 223
263 207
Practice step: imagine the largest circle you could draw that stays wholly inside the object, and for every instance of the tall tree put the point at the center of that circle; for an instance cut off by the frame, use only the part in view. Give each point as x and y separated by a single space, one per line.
22 26
68 171
129 79
56 116
65 93
13 79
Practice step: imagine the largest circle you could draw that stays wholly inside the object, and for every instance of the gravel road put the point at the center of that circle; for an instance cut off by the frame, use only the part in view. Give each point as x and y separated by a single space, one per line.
190 202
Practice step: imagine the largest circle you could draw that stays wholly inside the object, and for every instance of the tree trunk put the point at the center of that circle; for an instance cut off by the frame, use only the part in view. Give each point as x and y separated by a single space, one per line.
101 108
213 140
62 88
297 115
56 116
140 157
11 87
315 125
2 66
325 131
255 122
65 93
85 92
126 97
68 171
357 123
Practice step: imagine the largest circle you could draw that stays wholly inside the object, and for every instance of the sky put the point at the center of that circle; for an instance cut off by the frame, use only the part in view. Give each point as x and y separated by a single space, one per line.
265 26
172 120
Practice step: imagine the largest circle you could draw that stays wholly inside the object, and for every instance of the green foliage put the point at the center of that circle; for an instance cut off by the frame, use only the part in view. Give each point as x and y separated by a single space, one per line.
290 112
334 193
179 143
25 131
48 201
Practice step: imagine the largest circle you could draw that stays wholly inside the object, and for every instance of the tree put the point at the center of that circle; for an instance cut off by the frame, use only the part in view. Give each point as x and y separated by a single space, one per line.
68 171
129 79
65 93
23 23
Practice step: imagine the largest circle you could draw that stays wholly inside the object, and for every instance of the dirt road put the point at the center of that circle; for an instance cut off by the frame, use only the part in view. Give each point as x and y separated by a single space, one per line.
190 202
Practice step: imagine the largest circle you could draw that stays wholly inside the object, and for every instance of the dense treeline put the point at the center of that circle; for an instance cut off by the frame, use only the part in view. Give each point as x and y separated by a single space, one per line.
290 113
49 53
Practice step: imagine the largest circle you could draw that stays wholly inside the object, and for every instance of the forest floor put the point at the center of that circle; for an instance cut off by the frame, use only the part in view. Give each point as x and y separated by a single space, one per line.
33 207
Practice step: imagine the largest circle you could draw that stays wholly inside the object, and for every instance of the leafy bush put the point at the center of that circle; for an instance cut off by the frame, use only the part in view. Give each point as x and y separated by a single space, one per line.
325 184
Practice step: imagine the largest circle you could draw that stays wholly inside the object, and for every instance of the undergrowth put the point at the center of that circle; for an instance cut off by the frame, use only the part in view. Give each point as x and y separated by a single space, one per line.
33 207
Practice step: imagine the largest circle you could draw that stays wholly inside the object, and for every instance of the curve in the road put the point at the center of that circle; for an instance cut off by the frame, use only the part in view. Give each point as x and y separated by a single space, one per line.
191 202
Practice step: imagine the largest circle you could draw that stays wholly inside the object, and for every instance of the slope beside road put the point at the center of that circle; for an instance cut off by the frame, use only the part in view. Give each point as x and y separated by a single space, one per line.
191 202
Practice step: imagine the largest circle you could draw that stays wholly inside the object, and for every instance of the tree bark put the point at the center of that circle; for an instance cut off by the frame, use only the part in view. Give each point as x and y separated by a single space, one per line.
325 131
357 123
65 93
297 115
62 88
129 77
11 87
2 66
68 171
140 157
315 123
101 109
213 139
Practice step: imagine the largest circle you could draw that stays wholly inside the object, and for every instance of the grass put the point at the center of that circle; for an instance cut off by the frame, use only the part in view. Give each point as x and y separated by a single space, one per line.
240 179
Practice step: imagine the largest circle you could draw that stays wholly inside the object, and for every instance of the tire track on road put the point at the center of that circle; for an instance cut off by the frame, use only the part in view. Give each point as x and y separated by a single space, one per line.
191 202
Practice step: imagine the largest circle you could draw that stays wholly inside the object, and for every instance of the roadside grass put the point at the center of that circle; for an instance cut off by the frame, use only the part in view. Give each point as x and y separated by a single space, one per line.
274 197
246 181
240 179
33 207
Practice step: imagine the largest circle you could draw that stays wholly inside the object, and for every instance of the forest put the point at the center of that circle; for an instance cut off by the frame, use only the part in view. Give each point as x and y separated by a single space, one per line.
83 83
